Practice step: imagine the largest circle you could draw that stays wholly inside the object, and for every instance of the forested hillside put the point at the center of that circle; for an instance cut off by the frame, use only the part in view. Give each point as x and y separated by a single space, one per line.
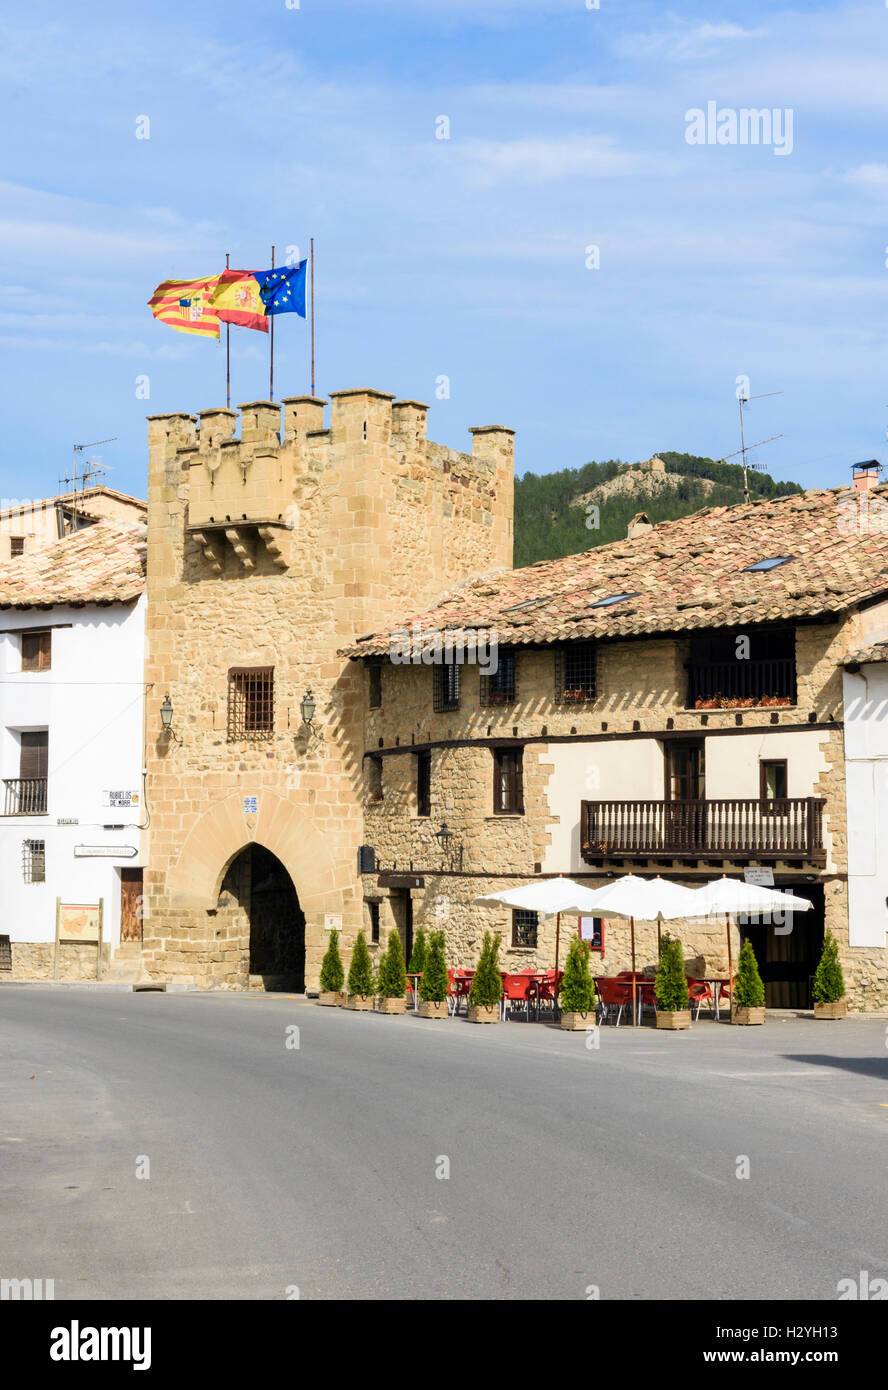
552 509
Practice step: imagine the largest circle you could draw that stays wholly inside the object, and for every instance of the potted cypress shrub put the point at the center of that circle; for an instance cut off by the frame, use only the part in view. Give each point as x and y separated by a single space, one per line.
486 993
829 982
360 976
392 980
748 992
673 997
434 984
577 996
332 973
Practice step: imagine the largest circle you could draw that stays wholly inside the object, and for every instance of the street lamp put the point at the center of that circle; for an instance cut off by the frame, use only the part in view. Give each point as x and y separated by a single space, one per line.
166 712
307 706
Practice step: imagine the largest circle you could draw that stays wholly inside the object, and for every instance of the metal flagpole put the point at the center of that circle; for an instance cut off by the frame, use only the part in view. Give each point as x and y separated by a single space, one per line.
312 316
227 355
271 331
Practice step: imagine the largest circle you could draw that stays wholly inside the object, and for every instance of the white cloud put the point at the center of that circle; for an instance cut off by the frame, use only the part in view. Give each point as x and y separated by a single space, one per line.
869 176
543 159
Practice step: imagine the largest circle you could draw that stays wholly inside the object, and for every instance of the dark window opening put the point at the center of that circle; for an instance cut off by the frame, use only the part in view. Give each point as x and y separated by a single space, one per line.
575 672
373 909
16 546
446 687
374 671
501 687
36 651
508 781
34 861
374 778
250 702
5 953
733 670
524 927
423 784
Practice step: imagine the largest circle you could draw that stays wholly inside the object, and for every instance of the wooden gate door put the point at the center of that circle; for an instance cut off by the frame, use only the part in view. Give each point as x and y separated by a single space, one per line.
131 904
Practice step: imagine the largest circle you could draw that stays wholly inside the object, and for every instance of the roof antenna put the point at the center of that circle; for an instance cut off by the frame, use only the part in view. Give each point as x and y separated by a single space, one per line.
81 479
742 400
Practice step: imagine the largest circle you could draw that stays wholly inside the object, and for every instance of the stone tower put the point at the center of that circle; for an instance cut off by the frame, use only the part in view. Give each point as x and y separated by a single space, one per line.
267 553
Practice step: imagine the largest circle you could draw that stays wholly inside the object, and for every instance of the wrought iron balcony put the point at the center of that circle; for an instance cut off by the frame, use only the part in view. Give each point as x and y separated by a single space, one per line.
25 796
717 829
752 682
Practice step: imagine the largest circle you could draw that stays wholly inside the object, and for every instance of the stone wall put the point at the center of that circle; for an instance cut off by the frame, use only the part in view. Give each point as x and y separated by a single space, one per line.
33 960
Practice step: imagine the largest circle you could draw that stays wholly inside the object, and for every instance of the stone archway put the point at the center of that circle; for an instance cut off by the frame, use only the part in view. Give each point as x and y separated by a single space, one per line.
259 905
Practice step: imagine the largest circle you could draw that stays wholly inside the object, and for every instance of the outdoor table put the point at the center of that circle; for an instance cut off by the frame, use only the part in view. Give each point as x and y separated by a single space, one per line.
415 987
715 982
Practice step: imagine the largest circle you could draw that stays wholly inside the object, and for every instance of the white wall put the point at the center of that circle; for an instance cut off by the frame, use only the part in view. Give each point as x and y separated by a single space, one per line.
91 703
866 766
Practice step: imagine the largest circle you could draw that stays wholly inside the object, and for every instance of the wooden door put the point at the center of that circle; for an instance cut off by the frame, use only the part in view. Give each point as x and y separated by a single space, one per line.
131 904
684 822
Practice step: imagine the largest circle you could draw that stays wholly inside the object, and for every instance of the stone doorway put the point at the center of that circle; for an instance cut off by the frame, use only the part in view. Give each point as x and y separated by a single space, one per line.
258 894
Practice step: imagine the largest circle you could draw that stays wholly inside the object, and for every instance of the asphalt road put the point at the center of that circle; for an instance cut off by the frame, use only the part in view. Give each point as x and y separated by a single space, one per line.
571 1168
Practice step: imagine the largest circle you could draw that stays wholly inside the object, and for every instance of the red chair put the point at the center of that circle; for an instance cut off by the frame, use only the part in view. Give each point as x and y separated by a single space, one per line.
701 994
548 988
724 993
458 988
614 994
518 989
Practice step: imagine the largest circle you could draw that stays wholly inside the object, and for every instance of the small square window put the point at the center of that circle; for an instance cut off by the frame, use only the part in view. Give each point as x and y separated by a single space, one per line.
445 687
250 702
575 671
500 688
36 651
16 546
34 861
524 927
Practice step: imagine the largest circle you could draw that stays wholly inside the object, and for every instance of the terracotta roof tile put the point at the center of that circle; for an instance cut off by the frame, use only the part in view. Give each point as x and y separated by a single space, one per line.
104 563
877 651
685 574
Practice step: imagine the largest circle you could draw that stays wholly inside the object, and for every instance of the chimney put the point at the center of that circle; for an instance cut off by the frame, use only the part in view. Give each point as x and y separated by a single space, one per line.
865 476
639 526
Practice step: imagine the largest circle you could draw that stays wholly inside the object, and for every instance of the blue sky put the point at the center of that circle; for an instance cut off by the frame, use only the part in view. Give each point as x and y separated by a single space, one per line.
463 258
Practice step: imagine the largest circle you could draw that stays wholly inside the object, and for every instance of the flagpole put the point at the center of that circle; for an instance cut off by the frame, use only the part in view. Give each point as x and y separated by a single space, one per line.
227 354
312 316
271 332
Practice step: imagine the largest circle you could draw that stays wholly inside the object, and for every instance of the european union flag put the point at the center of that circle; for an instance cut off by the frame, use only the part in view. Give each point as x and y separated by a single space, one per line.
283 291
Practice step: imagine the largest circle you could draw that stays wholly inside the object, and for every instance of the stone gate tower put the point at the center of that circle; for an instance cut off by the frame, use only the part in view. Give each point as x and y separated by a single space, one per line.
267 553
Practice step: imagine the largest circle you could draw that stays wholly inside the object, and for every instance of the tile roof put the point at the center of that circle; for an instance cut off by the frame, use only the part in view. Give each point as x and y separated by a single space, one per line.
681 575
876 651
103 564
43 503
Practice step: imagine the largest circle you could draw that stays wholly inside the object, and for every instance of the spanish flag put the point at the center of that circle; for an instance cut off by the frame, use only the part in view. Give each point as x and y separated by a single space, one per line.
238 299
187 306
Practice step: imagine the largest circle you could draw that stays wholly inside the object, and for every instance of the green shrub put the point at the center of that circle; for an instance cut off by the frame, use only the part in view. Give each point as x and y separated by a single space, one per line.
332 973
435 984
392 979
487 986
748 992
829 982
418 955
577 990
360 972
671 985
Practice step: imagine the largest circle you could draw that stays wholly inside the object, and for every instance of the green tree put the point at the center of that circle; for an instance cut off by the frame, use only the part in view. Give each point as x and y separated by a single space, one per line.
487 985
671 985
577 990
418 954
392 979
749 992
332 973
435 983
829 982
360 972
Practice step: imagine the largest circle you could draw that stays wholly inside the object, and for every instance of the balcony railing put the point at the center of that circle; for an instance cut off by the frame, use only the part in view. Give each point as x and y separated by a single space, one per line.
718 829
754 681
25 796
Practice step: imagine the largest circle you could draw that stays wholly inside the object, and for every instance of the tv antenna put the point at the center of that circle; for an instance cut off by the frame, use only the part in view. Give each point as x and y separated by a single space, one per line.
744 447
84 472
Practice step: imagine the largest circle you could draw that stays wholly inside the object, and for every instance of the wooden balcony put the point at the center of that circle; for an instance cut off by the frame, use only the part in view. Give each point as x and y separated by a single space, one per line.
718 829
25 796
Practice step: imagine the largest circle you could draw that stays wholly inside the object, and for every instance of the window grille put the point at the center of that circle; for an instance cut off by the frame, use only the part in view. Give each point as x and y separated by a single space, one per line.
501 688
524 927
575 673
446 687
34 861
5 953
250 702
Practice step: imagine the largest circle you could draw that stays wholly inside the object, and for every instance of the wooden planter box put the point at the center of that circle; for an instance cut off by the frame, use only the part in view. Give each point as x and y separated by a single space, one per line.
837 1009
756 1015
484 1013
361 1002
578 1022
329 998
433 1008
391 1006
673 1018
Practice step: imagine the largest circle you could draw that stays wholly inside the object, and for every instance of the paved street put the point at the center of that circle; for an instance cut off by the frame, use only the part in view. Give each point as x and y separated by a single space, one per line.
273 1167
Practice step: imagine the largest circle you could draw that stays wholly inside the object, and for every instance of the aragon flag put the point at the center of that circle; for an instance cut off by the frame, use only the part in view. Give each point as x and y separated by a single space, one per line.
186 305
238 300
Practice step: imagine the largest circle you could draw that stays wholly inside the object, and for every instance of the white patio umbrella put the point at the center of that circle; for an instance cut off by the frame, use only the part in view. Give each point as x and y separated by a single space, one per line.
725 897
547 896
646 900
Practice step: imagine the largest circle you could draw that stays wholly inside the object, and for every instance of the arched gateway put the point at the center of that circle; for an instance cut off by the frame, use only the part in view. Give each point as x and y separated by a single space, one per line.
258 904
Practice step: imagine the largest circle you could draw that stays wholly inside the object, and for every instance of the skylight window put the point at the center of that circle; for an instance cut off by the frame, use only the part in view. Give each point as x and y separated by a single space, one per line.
761 566
609 602
528 603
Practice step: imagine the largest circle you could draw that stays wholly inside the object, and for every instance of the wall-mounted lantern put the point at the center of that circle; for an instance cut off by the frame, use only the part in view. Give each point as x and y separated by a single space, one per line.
166 712
307 707
445 837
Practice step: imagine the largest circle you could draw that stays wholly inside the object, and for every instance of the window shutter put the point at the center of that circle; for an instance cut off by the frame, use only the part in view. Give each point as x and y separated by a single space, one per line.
34 761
